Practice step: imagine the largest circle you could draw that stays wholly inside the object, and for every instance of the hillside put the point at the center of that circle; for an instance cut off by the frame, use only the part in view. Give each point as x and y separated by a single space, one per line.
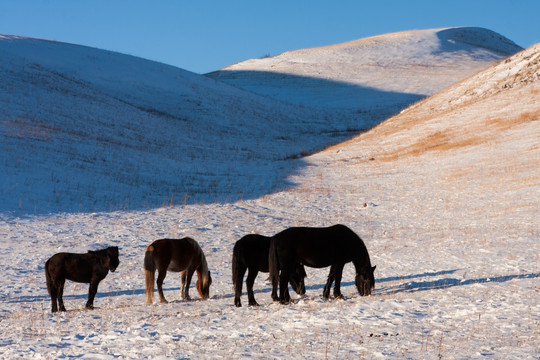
373 78
83 129
445 195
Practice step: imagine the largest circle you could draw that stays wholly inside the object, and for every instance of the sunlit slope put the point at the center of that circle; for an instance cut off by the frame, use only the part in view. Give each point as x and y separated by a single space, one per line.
372 78
470 153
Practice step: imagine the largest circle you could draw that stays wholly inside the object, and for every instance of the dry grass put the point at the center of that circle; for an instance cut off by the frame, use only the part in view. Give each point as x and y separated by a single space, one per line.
437 141
484 131
28 129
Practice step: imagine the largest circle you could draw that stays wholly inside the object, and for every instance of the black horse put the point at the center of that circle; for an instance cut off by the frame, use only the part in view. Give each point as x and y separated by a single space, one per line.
91 267
333 246
251 253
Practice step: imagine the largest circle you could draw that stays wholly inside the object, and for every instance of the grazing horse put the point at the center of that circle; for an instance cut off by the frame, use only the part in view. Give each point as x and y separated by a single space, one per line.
177 255
332 246
91 267
251 253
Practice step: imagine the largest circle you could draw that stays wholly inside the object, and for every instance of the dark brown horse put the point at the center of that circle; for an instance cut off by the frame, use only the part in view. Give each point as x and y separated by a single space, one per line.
91 267
177 255
332 246
251 253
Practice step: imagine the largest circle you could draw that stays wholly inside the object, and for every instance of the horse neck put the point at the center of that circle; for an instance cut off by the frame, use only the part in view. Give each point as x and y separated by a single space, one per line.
203 267
359 258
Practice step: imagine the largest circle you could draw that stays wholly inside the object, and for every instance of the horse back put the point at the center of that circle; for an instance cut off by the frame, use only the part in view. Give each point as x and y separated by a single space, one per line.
74 267
252 250
176 254
318 247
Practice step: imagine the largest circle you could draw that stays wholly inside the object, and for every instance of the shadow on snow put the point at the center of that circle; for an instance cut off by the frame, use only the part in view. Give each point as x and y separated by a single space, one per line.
411 286
225 163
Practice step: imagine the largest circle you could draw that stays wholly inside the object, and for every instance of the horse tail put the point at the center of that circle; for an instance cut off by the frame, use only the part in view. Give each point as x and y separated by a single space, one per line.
149 272
273 264
48 278
236 265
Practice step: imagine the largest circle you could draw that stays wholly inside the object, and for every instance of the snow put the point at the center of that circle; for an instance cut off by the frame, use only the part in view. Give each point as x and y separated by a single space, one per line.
374 78
446 196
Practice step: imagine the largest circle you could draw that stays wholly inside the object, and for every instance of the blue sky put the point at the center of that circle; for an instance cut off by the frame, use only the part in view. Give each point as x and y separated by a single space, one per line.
203 36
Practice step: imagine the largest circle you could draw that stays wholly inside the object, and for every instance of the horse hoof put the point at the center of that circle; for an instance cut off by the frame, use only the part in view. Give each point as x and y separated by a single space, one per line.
253 303
90 307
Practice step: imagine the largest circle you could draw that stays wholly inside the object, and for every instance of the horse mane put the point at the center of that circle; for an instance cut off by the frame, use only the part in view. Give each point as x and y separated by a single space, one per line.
203 266
102 251
97 252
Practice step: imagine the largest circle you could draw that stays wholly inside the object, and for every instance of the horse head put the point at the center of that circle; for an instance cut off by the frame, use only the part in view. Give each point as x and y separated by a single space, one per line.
203 287
365 281
297 277
112 252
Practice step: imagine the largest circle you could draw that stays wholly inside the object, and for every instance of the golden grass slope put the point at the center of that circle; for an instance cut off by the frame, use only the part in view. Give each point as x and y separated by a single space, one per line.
485 109
468 156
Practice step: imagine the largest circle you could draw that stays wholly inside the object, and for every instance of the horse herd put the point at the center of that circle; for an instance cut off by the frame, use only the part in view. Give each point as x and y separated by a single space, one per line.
283 255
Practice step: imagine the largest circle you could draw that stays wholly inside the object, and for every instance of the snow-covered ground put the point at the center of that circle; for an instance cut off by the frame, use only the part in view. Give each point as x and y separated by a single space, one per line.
446 196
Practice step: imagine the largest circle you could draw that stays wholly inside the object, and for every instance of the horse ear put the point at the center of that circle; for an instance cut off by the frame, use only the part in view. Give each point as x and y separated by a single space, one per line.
373 268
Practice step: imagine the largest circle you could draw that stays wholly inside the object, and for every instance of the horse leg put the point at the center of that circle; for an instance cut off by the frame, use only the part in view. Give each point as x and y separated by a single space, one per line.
60 293
252 274
338 272
284 296
331 275
53 291
161 276
275 282
239 279
183 277
92 290
186 281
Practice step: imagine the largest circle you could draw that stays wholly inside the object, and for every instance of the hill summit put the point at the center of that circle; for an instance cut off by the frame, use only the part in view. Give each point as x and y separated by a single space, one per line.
373 78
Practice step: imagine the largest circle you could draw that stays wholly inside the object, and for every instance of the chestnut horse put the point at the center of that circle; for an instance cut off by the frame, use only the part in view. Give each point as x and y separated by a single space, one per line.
83 268
332 246
177 255
251 253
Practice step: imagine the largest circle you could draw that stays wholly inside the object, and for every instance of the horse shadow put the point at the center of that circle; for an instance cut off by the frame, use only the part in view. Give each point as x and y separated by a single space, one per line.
40 298
404 287
445 283
391 278
416 286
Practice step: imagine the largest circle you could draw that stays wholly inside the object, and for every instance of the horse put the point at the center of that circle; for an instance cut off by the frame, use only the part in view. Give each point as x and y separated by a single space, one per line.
332 246
177 255
91 267
251 253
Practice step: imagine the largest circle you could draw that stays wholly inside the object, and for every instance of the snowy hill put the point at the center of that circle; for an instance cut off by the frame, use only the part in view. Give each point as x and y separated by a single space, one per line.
446 196
88 130
372 78
83 129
